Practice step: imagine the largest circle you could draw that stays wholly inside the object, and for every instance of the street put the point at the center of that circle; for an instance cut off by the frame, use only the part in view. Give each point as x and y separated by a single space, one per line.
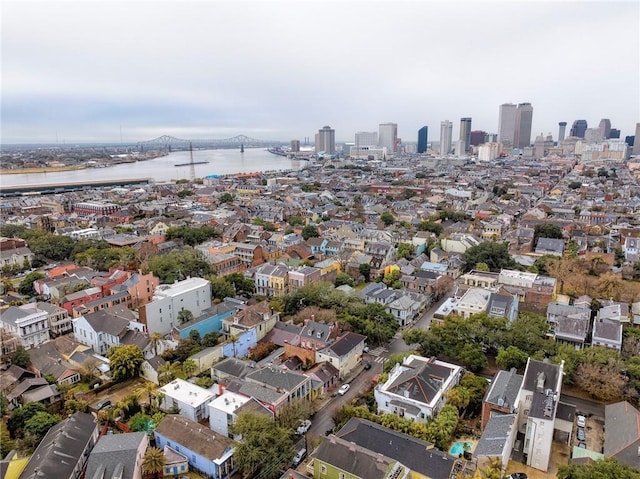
360 381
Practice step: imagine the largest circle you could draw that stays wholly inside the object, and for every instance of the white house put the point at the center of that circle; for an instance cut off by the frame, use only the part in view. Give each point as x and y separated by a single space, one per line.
538 403
109 328
222 411
416 388
344 354
190 399
27 323
473 301
161 314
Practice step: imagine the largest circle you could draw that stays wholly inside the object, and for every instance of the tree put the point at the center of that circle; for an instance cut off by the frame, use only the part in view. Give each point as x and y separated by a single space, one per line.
405 250
221 289
153 462
38 424
178 265
189 367
226 198
607 468
387 218
19 417
6 444
26 285
310 231
139 422
21 358
512 357
365 270
472 357
125 361
154 341
184 316
546 230
495 255
265 447
295 411
242 284
343 278
602 382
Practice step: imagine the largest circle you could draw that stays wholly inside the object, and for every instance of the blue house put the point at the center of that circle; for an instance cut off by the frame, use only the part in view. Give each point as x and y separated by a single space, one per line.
206 451
240 349
209 321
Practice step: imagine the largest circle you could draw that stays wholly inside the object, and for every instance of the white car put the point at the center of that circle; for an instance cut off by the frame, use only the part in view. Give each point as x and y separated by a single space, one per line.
582 421
303 427
343 389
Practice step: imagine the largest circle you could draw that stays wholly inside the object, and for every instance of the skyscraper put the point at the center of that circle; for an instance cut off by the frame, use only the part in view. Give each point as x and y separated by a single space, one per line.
366 138
477 137
524 117
562 126
605 128
295 146
578 128
507 124
465 136
446 130
388 136
423 138
326 140
614 134
636 142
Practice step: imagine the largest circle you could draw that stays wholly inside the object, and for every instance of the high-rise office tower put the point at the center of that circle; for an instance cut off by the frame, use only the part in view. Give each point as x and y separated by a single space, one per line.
578 128
524 118
388 136
446 130
366 138
326 140
614 134
477 137
295 146
562 127
636 142
423 138
465 136
605 128
507 124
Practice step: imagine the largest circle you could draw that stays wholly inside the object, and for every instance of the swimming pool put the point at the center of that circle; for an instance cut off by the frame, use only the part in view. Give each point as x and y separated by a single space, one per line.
458 448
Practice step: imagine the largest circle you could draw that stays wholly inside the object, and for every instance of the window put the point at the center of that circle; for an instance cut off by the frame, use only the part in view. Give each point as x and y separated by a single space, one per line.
323 469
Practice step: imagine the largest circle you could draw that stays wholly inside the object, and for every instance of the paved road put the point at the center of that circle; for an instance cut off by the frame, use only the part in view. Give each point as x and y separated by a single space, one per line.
360 383
397 345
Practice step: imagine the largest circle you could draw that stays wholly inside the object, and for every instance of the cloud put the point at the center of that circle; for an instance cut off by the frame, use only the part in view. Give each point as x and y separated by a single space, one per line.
285 69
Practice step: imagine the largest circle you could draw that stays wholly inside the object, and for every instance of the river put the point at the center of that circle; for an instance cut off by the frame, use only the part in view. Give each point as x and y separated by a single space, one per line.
163 169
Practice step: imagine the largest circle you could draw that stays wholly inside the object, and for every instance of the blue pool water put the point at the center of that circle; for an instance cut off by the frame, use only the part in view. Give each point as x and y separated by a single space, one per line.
458 448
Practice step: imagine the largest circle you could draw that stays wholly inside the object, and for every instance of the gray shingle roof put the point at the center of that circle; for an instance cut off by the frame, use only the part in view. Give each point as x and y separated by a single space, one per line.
624 444
418 455
61 449
114 452
505 386
347 343
495 435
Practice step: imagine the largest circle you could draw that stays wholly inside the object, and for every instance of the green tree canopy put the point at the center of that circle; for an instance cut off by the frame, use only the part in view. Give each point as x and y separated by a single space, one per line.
266 448
242 284
343 278
125 361
512 357
405 250
192 236
310 231
21 357
365 270
495 255
387 218
38 424
603 469
546 230
26 285
178 265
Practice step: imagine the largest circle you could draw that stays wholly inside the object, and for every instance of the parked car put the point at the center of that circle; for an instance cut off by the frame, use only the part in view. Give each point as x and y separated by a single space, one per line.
343 389
303 427
366 349
581 421
582 445
367 365
103 404
517 475
580 434
299 457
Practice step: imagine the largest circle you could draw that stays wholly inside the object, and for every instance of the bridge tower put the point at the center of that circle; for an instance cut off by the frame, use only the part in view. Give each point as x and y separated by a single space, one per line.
192 166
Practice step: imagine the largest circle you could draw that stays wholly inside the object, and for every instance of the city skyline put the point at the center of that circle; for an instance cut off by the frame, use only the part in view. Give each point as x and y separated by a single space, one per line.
117 71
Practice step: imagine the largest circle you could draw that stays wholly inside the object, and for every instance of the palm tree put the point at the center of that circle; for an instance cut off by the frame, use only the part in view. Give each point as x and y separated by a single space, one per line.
155 340
165 373
233 339
189 367
153 462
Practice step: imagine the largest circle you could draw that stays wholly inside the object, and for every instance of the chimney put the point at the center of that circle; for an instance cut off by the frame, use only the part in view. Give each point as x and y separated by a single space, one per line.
352 446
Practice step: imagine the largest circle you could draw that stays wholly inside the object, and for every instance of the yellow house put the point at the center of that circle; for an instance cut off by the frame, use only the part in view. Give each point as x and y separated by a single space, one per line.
16 466
160 228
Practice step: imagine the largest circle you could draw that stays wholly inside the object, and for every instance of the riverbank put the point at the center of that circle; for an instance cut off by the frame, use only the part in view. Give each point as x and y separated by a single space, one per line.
54 169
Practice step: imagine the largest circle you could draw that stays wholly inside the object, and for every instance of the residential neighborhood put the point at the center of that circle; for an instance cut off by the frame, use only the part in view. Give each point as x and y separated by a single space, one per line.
428 316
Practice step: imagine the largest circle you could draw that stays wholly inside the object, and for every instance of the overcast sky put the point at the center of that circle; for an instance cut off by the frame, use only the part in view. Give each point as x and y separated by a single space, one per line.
96 70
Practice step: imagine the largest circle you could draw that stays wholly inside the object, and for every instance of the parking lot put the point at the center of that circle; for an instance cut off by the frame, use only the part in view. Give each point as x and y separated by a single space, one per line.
593 434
